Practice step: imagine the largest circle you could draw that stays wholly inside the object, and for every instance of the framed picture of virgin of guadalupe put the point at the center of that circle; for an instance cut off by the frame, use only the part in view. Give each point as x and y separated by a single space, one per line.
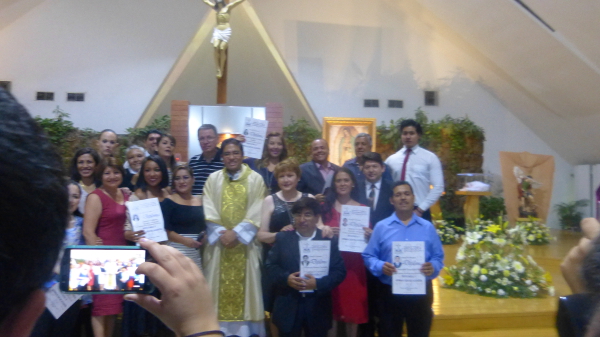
340 134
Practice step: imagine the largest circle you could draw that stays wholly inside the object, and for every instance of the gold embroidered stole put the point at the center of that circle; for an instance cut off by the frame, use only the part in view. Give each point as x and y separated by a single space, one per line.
233 260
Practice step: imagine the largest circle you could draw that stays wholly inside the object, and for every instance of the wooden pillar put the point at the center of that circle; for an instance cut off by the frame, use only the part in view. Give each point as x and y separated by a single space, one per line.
180 115
471 206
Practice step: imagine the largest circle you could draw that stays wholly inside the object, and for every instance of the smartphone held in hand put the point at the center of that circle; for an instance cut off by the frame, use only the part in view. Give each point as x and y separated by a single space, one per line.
103 270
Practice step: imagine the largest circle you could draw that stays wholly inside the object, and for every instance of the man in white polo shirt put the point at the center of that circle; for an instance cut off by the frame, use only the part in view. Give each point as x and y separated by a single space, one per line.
419 167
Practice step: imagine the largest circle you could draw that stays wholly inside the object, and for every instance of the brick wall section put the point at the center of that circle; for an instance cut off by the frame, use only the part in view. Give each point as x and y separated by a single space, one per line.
274 114
179 127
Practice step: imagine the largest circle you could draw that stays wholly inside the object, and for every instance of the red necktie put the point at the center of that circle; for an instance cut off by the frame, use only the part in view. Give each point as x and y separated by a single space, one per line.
403 174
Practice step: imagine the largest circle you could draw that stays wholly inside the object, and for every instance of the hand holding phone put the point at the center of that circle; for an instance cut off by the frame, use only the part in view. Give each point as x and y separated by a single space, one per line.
103 270
186 305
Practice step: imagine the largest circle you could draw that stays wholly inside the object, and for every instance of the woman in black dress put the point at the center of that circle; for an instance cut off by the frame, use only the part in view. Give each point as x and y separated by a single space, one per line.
184 215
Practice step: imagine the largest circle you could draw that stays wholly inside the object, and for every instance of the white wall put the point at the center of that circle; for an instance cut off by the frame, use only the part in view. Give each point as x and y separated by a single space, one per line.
117 52
339 52
341 55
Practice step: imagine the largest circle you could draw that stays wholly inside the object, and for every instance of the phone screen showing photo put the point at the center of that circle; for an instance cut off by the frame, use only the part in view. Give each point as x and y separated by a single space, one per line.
104 270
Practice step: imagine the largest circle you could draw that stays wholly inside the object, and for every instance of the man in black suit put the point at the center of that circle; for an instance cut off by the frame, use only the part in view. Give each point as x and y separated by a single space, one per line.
295 311
374 191
317 173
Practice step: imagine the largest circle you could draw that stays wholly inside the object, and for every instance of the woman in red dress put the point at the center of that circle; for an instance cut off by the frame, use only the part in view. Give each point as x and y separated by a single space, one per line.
103 225
350 303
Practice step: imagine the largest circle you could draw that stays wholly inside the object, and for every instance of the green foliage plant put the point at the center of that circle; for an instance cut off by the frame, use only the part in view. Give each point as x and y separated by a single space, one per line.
491 207
458 142
60 130
298 136
67 138
569 215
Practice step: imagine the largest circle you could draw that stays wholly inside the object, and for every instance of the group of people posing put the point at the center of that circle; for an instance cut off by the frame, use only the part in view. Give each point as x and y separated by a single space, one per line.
241 221
110 274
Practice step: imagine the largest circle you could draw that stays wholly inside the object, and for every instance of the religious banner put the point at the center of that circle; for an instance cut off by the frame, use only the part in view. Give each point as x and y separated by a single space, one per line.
527 180
340 134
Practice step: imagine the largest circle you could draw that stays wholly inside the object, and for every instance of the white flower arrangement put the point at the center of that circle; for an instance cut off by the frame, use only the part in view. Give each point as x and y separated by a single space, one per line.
492 261
536 233
449 233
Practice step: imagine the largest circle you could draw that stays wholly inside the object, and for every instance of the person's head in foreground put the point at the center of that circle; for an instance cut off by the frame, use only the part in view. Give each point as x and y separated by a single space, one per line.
373 166
34 212
410 133
306 213
403 198
233 154
362 144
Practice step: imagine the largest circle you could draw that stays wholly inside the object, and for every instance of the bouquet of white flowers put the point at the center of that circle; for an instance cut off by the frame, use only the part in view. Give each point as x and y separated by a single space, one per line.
492 262
449 233
536 233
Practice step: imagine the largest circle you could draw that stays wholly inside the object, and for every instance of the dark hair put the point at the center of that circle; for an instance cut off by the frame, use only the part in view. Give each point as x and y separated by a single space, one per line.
164 181
413 123
111 162
153 131
264 160
400 183
73 167
590 268
71 182
372 156
306 203
208 127
34 200
219 2
179 168
107 130
172 161
331 194
234 142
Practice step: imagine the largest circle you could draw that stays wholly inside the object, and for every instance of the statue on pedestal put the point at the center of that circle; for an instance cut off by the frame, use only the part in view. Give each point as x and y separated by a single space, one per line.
525 186
222 31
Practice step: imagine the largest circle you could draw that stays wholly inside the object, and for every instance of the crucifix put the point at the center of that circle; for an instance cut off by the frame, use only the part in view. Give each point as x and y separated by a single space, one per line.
220 42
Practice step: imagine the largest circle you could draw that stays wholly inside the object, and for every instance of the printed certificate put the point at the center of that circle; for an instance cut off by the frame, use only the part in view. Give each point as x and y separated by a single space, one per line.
255 131
408 257
352 235
58 302
314 258
146 215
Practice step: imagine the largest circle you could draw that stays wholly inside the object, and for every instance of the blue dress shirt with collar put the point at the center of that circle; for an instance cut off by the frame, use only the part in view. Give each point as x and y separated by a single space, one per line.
388 230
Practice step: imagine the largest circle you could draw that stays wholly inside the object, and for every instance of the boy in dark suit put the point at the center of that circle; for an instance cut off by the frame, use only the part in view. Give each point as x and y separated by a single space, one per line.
295 311
375 191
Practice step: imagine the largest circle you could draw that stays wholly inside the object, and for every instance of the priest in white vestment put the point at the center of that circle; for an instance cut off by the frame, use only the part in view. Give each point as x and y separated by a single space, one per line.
232 206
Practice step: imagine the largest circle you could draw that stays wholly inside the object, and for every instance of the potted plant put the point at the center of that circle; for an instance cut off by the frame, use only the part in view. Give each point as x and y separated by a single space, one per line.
569 215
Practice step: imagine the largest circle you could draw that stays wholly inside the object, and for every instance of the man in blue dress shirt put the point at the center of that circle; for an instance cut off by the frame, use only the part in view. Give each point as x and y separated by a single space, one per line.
403 225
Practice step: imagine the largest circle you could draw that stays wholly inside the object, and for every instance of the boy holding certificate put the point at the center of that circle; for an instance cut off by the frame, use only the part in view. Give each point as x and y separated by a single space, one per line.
303 302
406 227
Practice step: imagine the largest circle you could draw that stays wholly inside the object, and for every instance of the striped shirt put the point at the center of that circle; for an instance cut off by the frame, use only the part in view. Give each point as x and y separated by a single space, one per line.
202 169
